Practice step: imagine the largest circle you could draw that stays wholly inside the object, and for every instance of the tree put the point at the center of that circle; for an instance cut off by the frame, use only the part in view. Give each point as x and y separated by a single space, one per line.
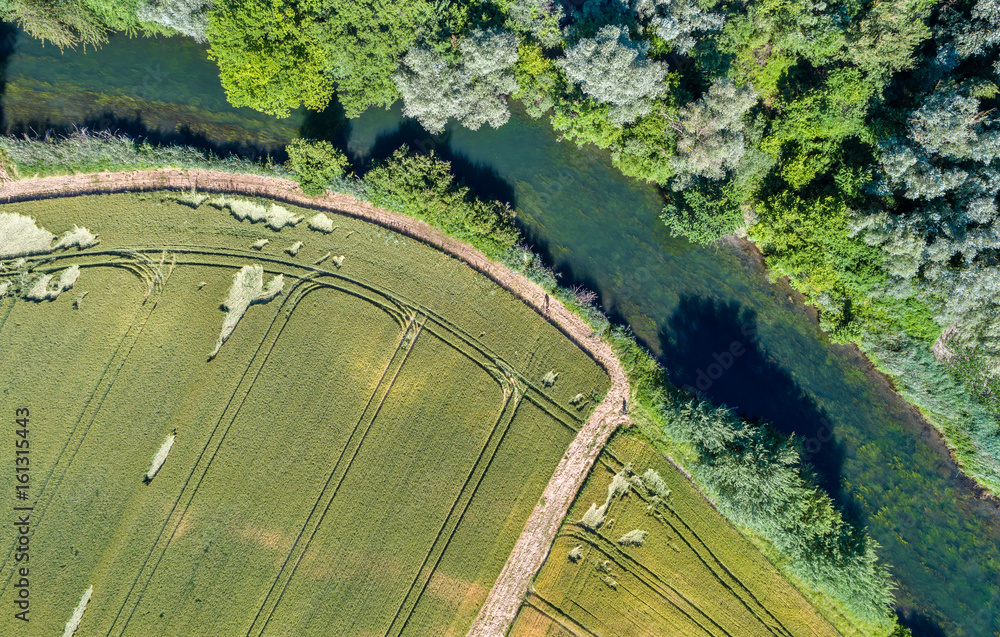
677 21
983 33
317 163
537 18
472 89
187 17
537 80
270 54
70 23
613 69
364 43
710 133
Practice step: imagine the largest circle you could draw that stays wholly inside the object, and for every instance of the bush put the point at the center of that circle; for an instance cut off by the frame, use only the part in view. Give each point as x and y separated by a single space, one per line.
422 186
316 163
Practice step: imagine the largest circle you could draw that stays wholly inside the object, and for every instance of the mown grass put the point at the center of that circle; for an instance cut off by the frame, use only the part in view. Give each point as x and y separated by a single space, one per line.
269 433
692 574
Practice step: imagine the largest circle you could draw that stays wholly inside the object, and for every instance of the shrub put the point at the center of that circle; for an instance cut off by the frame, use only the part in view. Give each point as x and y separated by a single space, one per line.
294 248
422 186
316 163
576 554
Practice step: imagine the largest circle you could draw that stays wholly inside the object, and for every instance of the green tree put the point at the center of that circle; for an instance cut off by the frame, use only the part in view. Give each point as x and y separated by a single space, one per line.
364 43
270 54
71 23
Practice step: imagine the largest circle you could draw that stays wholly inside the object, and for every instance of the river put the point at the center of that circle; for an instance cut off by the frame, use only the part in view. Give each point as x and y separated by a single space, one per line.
688 304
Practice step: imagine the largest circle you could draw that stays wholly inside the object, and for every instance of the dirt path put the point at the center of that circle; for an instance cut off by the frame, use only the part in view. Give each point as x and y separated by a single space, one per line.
532 547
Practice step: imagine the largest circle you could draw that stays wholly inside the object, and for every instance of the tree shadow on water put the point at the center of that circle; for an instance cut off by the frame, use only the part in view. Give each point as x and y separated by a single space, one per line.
711 348
8 46
921 625
331 124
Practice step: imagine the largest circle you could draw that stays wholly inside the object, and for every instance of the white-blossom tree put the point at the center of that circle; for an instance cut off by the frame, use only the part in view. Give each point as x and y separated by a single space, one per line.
473 89
188 17
613 69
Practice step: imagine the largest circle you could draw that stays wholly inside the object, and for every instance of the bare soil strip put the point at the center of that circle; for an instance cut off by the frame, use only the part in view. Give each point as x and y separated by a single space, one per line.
532 547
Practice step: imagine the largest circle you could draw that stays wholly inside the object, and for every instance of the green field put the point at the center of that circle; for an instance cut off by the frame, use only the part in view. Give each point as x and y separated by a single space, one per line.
693 576
358 459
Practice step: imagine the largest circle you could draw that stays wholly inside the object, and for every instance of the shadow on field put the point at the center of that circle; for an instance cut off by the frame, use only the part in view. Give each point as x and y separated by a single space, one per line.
711 348
484 181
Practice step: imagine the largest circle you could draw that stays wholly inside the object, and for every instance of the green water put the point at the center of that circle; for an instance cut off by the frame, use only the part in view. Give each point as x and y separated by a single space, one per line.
692 305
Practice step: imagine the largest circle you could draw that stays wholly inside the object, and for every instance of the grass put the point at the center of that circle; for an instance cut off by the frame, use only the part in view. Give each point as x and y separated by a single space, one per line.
315 455
683 570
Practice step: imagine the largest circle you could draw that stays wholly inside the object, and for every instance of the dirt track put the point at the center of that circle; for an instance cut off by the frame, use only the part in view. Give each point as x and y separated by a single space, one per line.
533 545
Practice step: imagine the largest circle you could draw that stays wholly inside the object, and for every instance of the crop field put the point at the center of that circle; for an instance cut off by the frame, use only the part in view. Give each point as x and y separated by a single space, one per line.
661 562
231 434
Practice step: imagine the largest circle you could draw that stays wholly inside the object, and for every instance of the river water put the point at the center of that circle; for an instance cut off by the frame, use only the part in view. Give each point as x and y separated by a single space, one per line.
688 304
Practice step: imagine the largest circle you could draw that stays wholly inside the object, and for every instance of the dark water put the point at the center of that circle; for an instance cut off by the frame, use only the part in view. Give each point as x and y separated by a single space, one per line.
710 313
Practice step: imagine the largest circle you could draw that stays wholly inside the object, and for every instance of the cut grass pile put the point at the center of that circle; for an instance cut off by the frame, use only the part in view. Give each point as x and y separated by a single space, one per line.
247 289
20 236
682 570
159 459
349 464
321 223
42 290
74 621
275 217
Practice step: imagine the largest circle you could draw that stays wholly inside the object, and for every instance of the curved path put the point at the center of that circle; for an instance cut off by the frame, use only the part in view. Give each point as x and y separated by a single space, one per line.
532 547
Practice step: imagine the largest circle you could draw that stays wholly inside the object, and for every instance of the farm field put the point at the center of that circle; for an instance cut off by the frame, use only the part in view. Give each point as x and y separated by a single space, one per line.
359 457
692 574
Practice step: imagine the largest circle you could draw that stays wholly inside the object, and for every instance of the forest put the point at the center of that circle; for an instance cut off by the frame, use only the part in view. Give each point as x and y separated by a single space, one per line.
855 142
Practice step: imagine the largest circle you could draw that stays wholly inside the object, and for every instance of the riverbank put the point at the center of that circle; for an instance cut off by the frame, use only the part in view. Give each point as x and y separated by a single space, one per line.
932 426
